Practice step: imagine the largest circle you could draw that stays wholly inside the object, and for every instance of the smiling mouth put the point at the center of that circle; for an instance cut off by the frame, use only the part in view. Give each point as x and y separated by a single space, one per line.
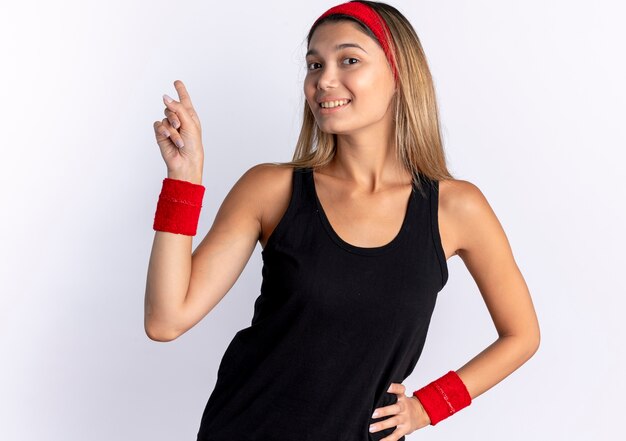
335 104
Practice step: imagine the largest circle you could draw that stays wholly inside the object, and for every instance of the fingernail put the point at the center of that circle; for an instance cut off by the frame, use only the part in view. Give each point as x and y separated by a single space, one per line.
176 124
167 98
179 143
375 414
166 133
372 428
389 390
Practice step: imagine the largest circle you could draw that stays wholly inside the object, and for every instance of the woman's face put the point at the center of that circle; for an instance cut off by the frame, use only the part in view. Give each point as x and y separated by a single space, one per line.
361 75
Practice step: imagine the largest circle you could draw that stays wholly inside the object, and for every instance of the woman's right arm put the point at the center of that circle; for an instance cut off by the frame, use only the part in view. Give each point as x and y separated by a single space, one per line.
182 287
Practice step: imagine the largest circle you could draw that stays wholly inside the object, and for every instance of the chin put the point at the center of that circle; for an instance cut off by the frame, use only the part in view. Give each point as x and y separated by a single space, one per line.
338 129
335 131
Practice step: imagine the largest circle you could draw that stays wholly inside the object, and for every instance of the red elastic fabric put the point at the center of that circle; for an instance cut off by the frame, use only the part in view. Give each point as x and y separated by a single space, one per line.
444 397
369 18
178 208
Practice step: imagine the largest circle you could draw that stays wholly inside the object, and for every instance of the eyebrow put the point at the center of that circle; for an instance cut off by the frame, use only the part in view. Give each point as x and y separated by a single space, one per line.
337 48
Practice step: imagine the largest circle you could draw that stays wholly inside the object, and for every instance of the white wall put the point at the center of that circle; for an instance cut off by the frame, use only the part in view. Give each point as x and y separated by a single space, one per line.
532 105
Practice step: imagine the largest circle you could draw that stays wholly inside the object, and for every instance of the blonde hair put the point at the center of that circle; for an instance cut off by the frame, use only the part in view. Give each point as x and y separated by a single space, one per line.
418 143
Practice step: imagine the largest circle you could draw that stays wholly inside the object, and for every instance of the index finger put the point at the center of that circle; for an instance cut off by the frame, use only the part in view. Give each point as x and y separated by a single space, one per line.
183 95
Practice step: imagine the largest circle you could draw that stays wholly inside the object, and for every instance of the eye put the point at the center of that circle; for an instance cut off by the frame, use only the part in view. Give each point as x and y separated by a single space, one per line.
312 63
350 58
309 65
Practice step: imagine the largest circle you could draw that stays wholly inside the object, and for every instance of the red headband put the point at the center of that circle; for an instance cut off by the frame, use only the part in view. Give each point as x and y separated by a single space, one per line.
371 19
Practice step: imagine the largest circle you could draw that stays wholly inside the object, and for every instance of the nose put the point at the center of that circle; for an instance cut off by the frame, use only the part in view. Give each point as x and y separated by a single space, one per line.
327 79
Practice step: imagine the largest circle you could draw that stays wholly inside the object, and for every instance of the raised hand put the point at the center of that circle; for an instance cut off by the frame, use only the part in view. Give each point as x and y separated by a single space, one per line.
179 137
408 415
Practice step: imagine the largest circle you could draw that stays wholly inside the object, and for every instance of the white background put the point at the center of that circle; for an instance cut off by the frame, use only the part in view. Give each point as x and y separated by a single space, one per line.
532 107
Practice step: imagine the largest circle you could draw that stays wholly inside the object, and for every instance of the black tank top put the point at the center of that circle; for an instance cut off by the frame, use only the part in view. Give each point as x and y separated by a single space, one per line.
334 325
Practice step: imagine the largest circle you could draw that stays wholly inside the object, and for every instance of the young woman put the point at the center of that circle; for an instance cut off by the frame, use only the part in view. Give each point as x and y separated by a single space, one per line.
356 232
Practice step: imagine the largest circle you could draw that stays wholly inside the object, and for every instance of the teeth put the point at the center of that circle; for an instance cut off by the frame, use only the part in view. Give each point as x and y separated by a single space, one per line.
331 104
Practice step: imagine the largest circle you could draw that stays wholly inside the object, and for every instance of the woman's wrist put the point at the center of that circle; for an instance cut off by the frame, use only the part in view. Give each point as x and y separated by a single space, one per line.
443 397
423 415
178 206
192 177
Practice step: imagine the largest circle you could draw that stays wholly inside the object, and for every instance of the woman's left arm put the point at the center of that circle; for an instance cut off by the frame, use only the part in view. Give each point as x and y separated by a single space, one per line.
481 243
472 229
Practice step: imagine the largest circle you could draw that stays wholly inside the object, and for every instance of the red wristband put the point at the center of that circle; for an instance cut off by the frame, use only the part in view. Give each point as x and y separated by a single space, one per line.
178 207
444 397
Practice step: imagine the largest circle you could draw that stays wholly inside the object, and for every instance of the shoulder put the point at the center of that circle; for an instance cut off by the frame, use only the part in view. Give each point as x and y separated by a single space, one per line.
461 197
259 186
466 212
270 185
267 179
270 191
